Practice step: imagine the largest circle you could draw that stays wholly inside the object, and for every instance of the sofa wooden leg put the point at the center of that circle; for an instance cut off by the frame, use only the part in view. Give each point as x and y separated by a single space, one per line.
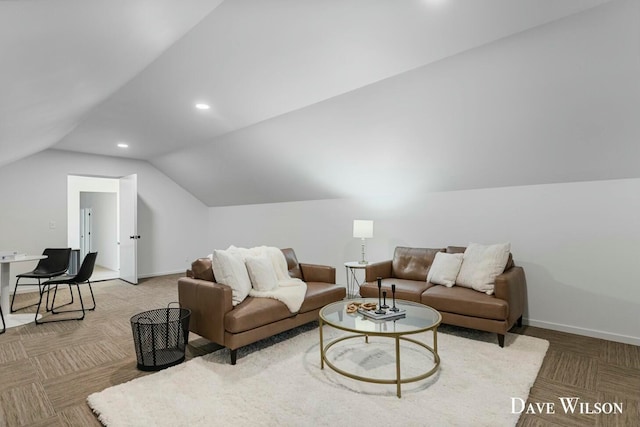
234 356
501 340
519 321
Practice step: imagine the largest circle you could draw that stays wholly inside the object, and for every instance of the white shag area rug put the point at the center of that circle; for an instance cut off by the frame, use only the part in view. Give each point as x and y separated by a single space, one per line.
281 384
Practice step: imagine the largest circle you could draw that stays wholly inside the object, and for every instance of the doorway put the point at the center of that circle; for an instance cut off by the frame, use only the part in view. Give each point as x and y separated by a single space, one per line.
95 221
99 231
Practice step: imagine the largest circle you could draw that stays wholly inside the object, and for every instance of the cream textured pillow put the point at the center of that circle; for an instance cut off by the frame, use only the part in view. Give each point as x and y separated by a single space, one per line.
481 264
444 269
229 270
261 272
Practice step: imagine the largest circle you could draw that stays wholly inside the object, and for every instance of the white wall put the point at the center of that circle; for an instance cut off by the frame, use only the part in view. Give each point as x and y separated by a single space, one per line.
76 185
171 221
104 226
578 242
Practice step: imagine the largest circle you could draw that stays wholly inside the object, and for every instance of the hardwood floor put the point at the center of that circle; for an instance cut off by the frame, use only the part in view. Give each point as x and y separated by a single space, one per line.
47 371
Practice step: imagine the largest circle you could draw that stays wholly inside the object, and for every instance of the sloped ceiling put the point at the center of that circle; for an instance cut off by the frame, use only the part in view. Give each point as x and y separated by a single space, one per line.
310 99
61 58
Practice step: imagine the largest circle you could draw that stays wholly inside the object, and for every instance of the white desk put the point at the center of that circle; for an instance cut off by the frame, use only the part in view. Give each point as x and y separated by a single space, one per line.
13 320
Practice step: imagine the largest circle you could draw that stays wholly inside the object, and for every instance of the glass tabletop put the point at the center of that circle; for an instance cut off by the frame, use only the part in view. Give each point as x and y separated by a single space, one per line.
418 318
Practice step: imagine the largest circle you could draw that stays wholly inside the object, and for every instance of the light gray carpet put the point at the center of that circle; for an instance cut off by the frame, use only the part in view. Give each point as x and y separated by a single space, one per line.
282 385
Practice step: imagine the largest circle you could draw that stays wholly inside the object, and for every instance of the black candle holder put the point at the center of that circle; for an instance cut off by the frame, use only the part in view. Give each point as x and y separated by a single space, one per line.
393 294
384 300
380 309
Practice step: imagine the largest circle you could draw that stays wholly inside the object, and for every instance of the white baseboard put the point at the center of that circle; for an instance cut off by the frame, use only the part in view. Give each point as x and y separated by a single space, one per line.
583 331
165 273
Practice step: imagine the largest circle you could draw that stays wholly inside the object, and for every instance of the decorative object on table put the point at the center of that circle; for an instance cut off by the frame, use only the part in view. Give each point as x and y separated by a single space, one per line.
382 314
352 307
362 229
380 310
393 294
11 255
384 300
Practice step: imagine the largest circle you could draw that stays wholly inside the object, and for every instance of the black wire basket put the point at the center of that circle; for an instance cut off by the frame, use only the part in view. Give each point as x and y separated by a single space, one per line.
160 337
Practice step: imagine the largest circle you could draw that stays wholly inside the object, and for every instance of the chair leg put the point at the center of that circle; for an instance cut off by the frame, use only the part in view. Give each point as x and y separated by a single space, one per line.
53 308
13 298
4 327
44 288
92 297
234 356
519 321
501 340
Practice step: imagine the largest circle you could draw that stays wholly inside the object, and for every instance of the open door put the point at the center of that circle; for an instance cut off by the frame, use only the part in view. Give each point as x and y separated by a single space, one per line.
128 234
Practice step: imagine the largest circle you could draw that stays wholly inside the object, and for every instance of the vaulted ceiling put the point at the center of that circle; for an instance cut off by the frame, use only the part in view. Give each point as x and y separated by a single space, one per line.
309 99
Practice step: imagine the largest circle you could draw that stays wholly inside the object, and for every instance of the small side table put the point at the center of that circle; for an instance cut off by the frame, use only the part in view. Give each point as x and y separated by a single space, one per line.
352 279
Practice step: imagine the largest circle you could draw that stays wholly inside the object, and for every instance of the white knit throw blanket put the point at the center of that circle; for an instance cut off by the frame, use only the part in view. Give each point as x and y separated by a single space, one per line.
290 291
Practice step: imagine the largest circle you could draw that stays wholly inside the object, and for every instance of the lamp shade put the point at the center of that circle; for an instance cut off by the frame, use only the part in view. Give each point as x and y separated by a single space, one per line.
362 228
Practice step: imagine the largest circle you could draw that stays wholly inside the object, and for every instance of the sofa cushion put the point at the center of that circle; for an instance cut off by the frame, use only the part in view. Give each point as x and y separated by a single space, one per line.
481 265
412 263
261 272
229 270
461 249
465 301
409 290
253 313
320 294
444 269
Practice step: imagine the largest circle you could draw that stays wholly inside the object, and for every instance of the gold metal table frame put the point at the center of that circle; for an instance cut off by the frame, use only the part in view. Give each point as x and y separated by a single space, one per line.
428 320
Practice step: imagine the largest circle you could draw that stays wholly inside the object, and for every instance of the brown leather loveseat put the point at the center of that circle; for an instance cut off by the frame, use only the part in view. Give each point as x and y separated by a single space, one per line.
458 305
215 318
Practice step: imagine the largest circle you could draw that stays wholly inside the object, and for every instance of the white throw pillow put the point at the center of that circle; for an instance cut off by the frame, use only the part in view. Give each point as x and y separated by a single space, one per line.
229 270
261 272
481 264
444 269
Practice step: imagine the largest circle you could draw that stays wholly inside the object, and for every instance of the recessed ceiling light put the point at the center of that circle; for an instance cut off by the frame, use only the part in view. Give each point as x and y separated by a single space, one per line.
203 106
123 145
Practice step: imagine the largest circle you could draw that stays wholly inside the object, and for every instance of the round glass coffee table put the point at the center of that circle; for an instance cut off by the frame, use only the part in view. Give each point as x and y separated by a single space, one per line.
417 318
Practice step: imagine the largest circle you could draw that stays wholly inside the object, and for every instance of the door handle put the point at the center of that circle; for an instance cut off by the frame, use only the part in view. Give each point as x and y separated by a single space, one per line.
134 237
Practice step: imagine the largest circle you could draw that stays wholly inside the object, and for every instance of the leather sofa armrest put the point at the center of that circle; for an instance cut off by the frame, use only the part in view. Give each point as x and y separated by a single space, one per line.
318 273
208 302
511 286
377 269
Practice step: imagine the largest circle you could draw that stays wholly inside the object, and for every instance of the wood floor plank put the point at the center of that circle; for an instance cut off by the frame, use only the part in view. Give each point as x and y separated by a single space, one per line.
571 368
26 404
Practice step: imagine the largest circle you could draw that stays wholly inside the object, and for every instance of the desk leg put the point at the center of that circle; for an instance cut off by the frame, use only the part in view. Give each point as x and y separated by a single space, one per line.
4 287
398 366
11 320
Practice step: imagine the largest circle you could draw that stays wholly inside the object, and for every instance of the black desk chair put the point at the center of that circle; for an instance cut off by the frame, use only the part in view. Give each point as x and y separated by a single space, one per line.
56 264
4 327
83 276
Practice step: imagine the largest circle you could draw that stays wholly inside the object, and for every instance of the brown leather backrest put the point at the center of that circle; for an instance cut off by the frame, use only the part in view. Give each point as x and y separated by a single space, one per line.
461 249
202 269
412 263
292 263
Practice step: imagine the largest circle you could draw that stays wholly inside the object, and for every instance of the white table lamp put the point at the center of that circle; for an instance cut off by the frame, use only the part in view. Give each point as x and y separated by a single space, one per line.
362 229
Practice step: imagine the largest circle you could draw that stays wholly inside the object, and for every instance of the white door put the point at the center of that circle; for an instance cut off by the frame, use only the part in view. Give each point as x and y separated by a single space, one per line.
128 234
